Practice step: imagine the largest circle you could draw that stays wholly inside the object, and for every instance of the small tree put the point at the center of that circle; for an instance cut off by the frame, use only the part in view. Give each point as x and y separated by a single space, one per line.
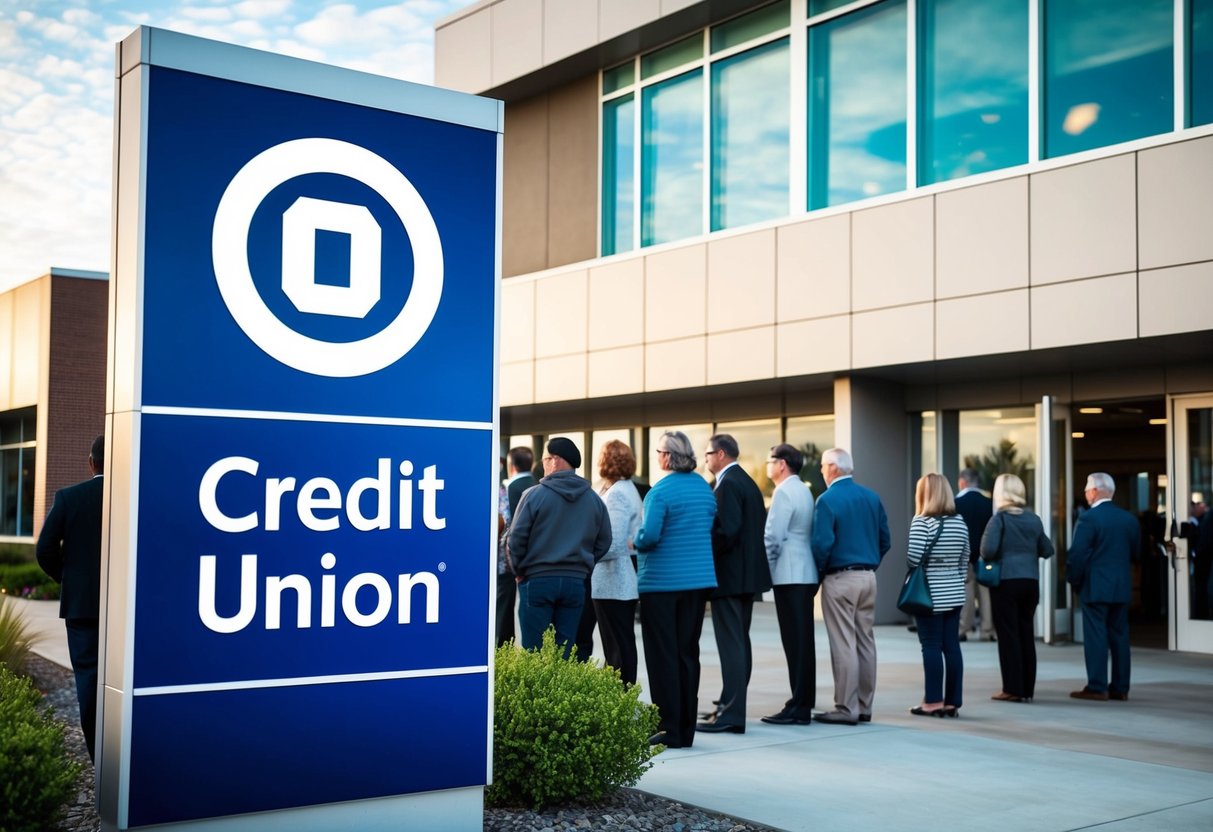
564 730
1003 459
16 638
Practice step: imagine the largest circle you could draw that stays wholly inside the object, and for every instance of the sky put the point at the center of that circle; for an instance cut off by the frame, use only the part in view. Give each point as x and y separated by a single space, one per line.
57 97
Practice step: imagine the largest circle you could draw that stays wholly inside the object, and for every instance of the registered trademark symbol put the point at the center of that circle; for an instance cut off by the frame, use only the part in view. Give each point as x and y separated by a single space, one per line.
442 567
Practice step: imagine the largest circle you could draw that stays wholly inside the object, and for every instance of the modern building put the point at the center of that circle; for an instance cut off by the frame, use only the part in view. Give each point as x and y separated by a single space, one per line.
52 391
930 231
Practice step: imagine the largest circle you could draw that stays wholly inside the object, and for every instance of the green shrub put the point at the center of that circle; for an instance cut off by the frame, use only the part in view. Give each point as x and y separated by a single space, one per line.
16 638
36 778
564 730
16 552
27 580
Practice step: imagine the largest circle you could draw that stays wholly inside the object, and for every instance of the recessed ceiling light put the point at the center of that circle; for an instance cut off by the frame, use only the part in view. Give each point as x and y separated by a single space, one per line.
1078 434
1090 410
1158 421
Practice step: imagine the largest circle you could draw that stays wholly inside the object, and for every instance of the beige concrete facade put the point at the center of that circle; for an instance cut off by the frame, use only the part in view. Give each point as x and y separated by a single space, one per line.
1028 262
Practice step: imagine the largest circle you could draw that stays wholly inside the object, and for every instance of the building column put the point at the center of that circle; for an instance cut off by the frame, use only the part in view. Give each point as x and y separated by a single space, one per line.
870 422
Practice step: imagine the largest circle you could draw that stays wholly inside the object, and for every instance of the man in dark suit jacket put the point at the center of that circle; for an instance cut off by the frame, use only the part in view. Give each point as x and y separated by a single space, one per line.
742 570
976 509
520 461
850 538
1106 539
69 550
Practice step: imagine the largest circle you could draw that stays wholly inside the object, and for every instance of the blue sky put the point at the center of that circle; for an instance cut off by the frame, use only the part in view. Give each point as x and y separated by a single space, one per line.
57 97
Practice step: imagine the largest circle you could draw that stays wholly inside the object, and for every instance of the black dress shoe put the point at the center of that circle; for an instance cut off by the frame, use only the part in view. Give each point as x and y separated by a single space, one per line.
836 718
865 717
786 718
1117 696
715 727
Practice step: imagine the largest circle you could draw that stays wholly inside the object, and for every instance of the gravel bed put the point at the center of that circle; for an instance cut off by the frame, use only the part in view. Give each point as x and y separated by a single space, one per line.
626 811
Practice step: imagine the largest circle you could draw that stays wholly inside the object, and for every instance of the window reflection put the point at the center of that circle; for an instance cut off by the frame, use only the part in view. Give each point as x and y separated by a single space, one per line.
1108 72
618 151
754 442
930 444
1200 63
973 70
813 435
857 105
672 163
750 136
995 442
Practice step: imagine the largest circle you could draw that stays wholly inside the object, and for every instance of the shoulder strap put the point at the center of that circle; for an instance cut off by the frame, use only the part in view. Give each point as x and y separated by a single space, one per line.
926 552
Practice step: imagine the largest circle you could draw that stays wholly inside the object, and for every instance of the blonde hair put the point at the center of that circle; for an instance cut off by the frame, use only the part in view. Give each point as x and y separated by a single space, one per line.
933 496
1009 492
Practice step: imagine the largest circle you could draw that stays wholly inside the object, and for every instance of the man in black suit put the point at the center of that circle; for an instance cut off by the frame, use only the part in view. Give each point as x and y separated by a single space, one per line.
742 570
69 550
1106 539
976 509
520 462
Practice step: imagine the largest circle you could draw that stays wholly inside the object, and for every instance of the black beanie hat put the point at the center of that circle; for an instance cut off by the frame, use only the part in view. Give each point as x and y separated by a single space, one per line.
566 450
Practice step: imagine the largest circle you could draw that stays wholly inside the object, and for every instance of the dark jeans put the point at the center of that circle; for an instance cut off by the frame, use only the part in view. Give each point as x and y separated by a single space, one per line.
550 602
1105 627
671 626
1015 603
82 638
939 636
617 627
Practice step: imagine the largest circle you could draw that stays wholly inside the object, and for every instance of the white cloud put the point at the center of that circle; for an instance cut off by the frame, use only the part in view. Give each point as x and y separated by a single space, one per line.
261 8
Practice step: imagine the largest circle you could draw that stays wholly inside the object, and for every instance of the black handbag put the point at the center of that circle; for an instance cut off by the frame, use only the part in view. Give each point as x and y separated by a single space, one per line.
915 597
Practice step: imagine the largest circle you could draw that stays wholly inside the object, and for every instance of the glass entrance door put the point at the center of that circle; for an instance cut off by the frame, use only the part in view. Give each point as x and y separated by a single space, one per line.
1192 474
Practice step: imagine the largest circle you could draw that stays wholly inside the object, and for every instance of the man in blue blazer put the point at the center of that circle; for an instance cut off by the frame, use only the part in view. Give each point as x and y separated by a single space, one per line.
69 550
1106 539
850 537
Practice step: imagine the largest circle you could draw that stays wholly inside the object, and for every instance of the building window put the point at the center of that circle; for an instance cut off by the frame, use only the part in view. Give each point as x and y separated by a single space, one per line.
671 164
755 119
857 105
1108 72
618 178
750 131
973 87
994 442
1200 62
18 457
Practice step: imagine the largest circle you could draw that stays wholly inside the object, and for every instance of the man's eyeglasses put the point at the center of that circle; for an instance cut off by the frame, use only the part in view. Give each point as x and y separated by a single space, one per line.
661 451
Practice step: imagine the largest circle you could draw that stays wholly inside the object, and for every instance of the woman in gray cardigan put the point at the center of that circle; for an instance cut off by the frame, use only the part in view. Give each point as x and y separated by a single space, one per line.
1015 537
613 582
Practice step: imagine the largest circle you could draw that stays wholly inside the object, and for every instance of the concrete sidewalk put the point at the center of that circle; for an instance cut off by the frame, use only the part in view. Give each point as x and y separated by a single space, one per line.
1054 764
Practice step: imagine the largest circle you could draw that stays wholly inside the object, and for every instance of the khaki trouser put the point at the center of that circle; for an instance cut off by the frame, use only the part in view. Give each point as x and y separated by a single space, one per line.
975 592
848 607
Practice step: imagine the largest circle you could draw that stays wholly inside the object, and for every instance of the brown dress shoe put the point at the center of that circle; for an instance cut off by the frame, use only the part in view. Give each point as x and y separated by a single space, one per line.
1087 693
1003 696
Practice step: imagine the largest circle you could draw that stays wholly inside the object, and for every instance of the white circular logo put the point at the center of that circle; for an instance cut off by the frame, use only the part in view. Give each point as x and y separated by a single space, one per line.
229 250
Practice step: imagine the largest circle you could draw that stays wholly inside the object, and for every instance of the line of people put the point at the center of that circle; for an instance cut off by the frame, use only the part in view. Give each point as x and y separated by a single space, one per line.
579 555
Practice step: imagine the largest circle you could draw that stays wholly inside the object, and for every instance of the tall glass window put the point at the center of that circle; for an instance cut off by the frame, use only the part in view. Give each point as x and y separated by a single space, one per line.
750 126
1108 74
997 442
973 87
857 105
754 442
813 435
18 459
671 172
1200 63
618 181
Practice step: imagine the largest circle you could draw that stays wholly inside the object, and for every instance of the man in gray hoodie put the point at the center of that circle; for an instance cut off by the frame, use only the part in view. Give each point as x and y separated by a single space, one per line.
561 529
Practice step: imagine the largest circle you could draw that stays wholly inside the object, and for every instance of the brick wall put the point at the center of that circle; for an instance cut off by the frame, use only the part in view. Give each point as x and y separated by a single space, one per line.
75 405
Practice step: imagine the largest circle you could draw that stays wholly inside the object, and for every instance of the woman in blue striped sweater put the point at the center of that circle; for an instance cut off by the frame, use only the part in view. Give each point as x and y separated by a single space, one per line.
939 535
676 574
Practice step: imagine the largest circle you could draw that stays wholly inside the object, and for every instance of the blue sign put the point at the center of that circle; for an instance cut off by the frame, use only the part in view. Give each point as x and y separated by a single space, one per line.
314 472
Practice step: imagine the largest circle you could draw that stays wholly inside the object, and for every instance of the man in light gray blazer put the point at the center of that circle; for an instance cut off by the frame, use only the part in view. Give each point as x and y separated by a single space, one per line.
794 575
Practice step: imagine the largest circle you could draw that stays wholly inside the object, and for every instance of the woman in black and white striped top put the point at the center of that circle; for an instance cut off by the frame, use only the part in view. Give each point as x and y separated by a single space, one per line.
939 534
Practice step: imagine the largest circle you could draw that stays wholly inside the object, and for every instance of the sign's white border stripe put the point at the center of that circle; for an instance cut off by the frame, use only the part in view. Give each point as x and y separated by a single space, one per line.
255 684
160 410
